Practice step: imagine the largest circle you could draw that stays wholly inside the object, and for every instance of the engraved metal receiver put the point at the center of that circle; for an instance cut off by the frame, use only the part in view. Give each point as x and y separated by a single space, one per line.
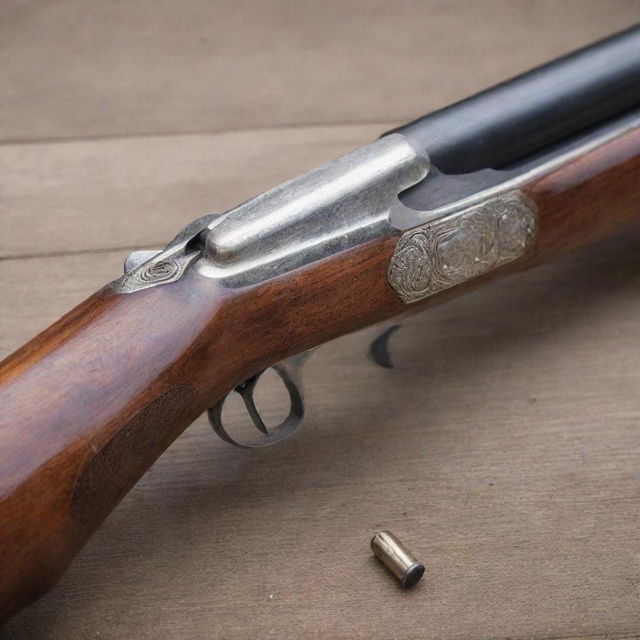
346 203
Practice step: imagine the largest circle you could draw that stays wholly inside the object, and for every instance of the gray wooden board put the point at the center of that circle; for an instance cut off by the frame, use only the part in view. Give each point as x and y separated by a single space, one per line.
504 449
138 192
74 68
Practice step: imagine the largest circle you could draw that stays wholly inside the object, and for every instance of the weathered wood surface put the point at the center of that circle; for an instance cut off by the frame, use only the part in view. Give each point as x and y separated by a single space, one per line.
155 66
505 449
137 192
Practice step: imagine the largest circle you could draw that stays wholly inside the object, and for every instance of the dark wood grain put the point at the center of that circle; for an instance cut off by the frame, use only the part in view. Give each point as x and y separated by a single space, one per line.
590 198
91 403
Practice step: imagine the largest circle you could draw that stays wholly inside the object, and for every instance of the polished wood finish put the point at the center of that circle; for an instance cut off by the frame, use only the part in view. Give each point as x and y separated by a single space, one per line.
90 403
590 198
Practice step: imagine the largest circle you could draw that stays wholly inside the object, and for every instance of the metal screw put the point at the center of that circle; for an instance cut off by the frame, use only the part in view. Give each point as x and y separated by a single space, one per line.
397 558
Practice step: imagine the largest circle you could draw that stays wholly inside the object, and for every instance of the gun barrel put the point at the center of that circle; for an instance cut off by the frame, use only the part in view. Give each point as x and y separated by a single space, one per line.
532 111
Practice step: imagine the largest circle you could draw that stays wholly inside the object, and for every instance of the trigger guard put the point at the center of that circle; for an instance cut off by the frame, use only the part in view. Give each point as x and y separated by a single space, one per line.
289 373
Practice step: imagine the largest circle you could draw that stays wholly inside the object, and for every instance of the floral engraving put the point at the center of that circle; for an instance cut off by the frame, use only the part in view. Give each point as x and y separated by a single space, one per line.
449 251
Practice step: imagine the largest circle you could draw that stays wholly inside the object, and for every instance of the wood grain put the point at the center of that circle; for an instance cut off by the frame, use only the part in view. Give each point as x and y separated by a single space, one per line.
154 66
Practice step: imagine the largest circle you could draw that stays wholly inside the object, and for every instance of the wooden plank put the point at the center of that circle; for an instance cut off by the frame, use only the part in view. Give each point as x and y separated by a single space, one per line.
72 68
139 192
504 449
37 291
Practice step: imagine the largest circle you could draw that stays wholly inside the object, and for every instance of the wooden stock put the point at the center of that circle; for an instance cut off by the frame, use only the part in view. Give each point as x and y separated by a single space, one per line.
89 404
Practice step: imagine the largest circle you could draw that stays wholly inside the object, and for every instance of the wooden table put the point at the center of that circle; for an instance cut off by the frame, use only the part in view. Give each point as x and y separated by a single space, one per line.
504 449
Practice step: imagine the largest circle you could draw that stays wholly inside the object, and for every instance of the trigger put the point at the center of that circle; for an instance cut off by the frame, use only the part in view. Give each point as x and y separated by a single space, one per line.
379 348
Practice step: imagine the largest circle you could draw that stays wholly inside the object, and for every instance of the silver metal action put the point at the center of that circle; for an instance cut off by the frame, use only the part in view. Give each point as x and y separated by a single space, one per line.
397 558
339 205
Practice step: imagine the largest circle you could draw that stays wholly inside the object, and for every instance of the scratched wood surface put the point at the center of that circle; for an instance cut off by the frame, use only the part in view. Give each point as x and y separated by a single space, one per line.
504 449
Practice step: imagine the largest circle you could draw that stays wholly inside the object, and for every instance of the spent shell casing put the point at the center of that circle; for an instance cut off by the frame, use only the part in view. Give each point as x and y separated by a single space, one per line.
397 558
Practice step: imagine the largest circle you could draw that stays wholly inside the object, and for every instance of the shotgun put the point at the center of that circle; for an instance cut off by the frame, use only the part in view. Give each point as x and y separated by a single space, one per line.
495 184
